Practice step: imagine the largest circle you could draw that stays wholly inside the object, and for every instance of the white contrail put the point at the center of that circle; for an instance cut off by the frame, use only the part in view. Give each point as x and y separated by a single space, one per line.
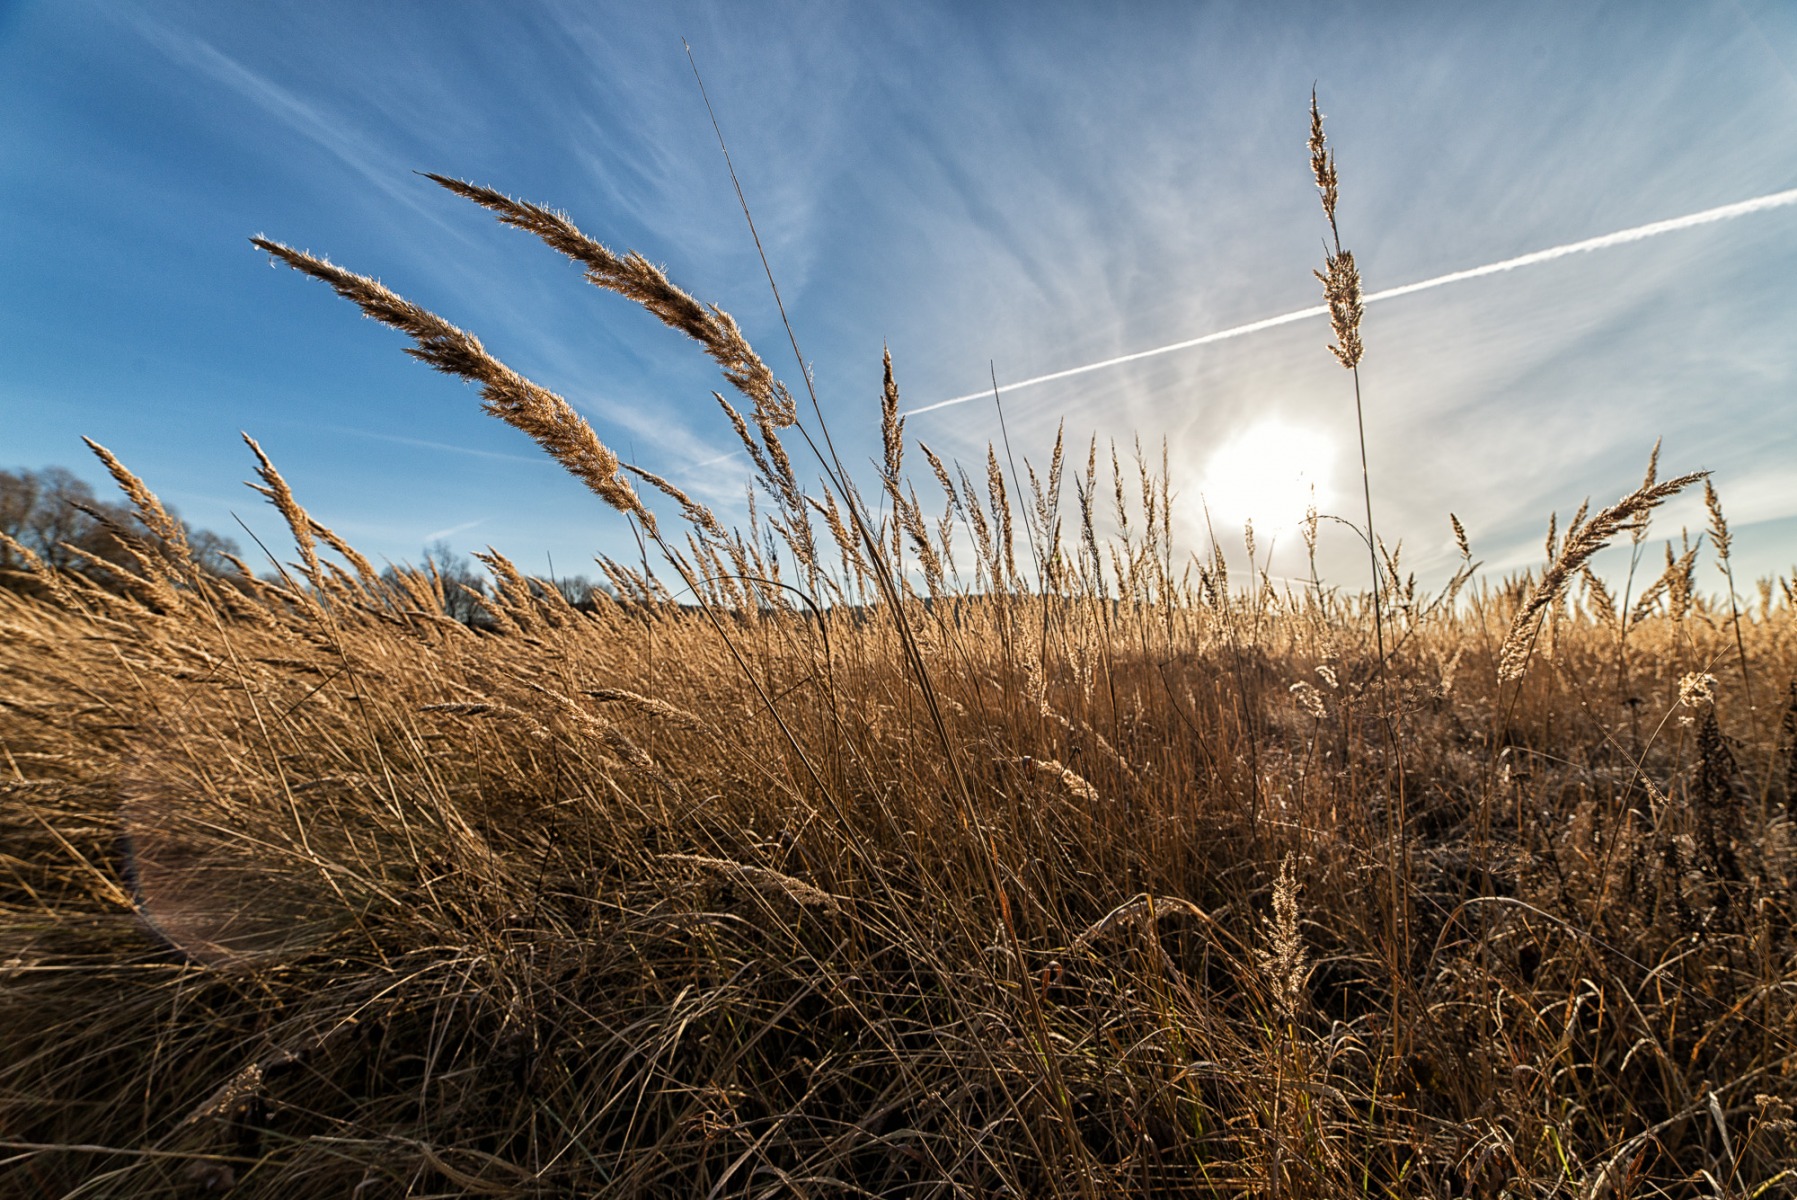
1726 212
464 527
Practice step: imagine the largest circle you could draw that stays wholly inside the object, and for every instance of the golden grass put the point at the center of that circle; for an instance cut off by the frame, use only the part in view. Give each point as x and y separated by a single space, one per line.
1089 875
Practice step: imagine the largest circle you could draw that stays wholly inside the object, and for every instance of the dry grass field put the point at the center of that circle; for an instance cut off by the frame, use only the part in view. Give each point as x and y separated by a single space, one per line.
952 836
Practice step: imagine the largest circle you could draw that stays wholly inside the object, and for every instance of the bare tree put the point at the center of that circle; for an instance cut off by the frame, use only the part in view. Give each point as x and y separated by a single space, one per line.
57 517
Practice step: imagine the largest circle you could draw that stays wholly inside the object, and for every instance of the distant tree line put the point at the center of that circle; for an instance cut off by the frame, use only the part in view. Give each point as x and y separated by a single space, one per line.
464 586
58 517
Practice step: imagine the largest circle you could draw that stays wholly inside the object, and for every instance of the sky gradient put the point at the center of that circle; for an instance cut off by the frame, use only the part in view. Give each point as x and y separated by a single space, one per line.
1036 187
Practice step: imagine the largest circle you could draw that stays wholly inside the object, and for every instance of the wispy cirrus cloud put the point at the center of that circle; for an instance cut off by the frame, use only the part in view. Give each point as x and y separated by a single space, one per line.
330 129
427 444
1622 237
1043 191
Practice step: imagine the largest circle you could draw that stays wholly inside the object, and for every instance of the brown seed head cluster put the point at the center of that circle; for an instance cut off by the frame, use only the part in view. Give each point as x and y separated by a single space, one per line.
1340 279
636 278
1697 690
1582 540
545 416
1322 161
1341 289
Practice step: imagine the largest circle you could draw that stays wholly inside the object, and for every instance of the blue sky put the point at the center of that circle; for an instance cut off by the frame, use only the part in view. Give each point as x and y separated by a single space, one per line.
1032 185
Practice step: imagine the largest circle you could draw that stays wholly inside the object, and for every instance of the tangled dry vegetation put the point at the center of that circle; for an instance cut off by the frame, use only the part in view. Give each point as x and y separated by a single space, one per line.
825 862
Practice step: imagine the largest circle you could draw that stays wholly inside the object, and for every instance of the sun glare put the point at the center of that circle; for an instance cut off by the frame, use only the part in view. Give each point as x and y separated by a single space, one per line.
1266 474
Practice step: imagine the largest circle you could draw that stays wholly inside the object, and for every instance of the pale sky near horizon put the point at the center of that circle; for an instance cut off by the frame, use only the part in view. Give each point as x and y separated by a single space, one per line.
1038 186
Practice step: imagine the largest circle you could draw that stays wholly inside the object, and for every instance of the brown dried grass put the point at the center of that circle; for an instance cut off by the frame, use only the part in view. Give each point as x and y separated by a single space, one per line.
309 890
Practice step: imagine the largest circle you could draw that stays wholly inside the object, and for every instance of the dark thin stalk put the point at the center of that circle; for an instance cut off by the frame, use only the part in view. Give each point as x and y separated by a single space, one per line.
838 474
1029 532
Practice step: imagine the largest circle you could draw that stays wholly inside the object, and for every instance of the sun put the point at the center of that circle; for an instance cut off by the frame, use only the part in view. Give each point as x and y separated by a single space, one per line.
1268 473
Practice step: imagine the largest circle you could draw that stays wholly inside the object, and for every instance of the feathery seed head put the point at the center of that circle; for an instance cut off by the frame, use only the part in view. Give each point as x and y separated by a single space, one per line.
1283 960
636 278
1309 699
892 426
149 509
1697 690
1322 161
1719 534
539 412
1629 513
1341 290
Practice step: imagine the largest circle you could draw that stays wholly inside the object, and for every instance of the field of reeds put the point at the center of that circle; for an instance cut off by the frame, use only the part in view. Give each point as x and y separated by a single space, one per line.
952 833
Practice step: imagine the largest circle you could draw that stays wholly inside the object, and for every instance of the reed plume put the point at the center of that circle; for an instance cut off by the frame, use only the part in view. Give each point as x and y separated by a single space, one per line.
1724 543
1340 278
299 522
156 518
1581 541
1341 291
1283 959
636 278
550 420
